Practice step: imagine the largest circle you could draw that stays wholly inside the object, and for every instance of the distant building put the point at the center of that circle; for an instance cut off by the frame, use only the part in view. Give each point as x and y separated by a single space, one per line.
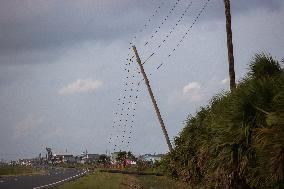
64 158
151 158
113 157
126 162
25 162
93 158
129 162
87 158
2 162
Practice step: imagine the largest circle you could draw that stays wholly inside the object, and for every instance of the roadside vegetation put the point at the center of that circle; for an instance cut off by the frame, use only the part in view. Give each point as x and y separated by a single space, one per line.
9 170
100 180
237 141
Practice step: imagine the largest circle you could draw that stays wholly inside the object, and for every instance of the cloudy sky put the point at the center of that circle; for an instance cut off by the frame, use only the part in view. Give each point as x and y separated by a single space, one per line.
64 68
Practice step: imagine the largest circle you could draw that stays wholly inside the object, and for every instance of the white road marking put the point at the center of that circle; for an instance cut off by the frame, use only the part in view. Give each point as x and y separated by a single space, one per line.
55 183
1 181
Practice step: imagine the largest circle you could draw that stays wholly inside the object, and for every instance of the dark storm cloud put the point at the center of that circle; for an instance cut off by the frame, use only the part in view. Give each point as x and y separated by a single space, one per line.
245 5
39 24
242 7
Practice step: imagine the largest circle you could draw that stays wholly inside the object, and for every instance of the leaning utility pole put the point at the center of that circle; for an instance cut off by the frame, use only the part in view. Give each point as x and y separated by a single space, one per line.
230 44
153 99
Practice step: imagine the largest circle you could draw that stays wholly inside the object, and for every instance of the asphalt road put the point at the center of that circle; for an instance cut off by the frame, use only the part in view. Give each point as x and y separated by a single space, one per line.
53 177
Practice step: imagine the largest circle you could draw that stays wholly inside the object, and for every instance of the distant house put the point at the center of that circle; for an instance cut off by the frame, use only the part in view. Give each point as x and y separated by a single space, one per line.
92 158
13 163
126 162
78 159
88 158
129 162
63 158
151 158
25 162
81 159
113 157
2 163
67 158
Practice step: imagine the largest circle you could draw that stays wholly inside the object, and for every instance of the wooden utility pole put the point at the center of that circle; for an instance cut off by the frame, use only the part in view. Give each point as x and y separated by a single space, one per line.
230 44
153 99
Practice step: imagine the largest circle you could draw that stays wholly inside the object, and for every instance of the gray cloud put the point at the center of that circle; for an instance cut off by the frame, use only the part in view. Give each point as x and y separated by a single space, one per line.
35 25
42 24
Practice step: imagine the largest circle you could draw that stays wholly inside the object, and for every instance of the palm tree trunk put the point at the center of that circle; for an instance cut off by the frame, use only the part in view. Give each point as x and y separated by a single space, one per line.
230 44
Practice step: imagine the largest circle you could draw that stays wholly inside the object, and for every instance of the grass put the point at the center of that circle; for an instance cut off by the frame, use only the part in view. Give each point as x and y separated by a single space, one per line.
99 180
103 180
160 182
77 166
19 170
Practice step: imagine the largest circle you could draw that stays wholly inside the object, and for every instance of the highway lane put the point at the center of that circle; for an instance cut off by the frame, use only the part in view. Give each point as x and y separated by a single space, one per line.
54 176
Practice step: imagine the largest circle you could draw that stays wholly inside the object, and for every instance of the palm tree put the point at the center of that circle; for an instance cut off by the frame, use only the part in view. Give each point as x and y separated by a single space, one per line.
237 141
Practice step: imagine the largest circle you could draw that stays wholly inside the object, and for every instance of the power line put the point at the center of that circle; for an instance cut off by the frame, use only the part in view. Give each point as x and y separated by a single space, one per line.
164 20
146 25
173 28
149 20
122 115
186 33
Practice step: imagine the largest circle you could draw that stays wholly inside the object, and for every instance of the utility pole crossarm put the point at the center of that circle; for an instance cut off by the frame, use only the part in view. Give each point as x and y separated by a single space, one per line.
153 99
